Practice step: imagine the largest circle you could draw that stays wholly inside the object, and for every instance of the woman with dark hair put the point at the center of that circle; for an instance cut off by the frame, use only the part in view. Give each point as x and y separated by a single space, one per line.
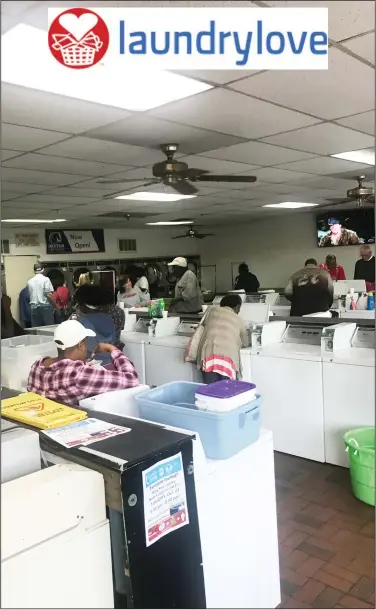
129 293
9 327
246 280
94 308
224 335
61 298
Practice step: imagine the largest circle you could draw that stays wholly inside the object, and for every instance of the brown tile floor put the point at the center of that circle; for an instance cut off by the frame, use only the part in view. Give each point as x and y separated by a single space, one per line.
326 537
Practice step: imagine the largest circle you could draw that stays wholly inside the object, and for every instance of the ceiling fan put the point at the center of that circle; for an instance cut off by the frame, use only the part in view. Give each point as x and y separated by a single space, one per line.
193 234
361 195
178 175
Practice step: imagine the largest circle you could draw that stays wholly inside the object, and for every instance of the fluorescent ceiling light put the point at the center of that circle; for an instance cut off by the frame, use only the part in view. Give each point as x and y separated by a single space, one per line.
365 156
290 205
27 61
171 222
149 196
33 220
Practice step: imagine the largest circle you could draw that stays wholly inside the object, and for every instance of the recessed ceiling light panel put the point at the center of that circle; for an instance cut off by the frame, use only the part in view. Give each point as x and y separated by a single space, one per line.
292 205
366 156
148 196
171 223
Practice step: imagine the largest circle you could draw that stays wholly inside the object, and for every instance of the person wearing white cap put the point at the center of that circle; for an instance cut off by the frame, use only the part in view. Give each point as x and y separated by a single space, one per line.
188 297
70 378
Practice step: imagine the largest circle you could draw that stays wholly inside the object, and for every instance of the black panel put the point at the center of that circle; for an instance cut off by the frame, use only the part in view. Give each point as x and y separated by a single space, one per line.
161 576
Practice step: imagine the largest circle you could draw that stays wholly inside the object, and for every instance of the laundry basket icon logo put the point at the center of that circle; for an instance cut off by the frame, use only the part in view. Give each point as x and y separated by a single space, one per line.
78 38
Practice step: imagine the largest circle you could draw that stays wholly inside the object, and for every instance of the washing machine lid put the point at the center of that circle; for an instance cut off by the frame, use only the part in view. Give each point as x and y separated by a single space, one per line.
294 351
172 341
358 356
133 337
58 500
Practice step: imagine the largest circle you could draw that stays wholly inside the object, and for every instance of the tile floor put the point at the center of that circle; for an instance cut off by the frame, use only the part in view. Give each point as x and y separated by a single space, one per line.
326 537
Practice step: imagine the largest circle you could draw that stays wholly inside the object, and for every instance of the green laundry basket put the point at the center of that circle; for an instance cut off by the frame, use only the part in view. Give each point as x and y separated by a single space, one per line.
360 444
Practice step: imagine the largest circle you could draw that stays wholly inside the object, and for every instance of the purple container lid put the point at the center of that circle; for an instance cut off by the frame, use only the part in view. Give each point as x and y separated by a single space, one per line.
225 389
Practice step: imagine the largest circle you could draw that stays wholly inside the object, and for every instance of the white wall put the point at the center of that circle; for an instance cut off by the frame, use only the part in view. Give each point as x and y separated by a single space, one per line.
273 248
150 243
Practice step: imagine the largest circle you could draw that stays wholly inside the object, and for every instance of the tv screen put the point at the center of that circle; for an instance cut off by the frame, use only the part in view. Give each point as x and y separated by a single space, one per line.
346 228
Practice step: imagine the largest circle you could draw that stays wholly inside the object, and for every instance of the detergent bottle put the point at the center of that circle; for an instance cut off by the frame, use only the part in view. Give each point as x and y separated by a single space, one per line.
371 301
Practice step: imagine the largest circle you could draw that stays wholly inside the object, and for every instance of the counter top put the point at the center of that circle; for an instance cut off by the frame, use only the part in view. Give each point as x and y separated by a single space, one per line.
365 322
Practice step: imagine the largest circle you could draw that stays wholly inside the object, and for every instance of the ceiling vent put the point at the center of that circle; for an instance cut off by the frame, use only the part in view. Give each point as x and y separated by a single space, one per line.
127 216
127 245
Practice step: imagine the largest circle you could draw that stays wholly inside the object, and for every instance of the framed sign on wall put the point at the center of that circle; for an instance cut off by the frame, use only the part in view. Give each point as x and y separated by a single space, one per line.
26 240
70 241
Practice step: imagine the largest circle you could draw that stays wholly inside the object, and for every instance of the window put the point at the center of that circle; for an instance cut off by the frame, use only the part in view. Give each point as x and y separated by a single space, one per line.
127 245
5 246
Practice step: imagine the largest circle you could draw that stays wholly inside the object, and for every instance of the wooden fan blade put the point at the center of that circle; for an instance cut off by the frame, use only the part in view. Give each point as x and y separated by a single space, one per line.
183 187
124 180
179 237
203 235
223 178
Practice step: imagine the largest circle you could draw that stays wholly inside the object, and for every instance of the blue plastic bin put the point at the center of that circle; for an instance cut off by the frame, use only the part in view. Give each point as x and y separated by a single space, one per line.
222 434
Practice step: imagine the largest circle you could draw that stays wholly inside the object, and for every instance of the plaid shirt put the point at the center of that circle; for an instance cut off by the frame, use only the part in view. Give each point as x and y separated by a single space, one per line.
69 381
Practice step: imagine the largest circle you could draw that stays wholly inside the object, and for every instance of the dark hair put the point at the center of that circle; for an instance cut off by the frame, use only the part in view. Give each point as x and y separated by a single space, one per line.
132 274
310 261
94 295
331 257
243 268
231 300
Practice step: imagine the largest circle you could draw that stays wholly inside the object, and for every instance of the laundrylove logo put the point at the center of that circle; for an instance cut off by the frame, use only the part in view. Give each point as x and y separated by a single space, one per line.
78 38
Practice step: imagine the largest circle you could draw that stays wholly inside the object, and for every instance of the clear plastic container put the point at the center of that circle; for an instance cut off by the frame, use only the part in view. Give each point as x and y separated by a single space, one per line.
19 354
222 434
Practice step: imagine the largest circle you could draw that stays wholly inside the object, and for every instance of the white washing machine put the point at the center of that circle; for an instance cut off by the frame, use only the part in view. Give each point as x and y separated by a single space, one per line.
55 540
260 335
238 527
42 330
288 375
165 357
20 452
349 385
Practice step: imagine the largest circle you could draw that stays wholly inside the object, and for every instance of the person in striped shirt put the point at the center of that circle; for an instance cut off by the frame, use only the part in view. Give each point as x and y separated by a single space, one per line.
224 335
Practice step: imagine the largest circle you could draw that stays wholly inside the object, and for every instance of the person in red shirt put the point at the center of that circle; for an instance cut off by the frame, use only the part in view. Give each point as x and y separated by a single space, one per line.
61 298
336 271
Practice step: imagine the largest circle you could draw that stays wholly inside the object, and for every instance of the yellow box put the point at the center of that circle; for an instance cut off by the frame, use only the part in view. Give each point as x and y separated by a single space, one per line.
40 412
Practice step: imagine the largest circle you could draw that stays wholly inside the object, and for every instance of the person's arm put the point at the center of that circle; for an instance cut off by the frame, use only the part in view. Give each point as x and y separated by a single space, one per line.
357 273
189 287
257 284
7 322
243 334
49 291
92 380
354 239
330 290
289 290
341 273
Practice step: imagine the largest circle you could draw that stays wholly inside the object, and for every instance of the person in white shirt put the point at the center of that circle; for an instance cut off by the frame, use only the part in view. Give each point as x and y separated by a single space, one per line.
41 298
130 294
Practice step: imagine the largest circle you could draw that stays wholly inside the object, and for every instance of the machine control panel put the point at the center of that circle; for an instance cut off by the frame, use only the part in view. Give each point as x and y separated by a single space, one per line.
309 335
327 339
364 337
187 329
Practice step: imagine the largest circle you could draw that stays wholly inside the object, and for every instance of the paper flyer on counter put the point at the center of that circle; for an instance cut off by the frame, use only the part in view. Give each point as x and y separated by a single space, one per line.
85 432
165 498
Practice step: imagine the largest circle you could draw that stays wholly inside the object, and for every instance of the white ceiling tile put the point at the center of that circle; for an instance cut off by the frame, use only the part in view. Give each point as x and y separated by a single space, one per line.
234 114
322 93
323 165
217 166
150 132
346 19
10 174
9 154
364 46
273 175
14 137
317 183
49 163
257 152
90 193
24 106
91 149
22 187
323 139
218 77
55 200
362 122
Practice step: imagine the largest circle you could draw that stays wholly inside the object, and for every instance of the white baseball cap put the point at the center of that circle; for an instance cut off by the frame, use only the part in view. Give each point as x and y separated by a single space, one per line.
179 261
71 333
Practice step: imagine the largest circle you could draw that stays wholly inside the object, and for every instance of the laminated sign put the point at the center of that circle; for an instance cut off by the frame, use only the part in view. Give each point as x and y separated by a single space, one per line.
73 242
40 412
165 498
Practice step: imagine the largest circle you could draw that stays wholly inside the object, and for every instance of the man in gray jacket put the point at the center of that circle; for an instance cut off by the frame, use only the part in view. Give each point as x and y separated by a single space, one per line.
188 297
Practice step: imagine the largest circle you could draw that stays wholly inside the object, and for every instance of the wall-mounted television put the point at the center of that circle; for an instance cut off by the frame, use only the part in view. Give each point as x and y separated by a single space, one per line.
346 228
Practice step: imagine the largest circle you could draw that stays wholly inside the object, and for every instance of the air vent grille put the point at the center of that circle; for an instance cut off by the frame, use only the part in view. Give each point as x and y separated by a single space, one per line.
127 245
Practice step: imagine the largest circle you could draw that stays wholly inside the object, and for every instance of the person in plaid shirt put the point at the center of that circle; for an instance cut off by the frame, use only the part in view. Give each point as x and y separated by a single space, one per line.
69 378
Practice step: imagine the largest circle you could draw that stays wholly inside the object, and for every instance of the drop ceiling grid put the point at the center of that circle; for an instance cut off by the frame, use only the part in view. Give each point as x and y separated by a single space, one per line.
84 147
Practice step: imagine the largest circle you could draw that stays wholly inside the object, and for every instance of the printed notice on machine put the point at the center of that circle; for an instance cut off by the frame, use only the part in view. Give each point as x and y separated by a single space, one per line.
165 498
85 432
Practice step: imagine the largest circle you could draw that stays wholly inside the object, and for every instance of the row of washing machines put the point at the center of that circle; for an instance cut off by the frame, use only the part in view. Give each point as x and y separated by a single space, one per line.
317 382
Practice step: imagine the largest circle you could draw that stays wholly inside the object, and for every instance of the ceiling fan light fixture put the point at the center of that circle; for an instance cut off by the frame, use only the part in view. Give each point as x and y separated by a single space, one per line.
149 196
366 156
290 205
